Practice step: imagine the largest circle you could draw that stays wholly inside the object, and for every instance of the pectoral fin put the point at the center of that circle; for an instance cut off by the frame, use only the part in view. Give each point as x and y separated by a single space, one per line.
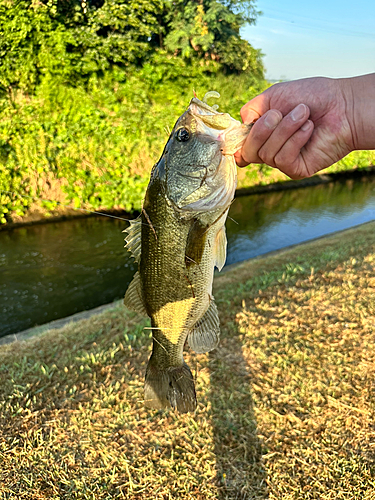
133 240
206 333
220 249
133 296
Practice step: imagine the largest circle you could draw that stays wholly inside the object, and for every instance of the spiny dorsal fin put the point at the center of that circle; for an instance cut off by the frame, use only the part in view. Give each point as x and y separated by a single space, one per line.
205 335
133 296
133 240
220 249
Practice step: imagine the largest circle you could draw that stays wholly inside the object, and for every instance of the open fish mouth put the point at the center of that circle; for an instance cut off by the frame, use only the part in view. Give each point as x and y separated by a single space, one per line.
218 126
209 120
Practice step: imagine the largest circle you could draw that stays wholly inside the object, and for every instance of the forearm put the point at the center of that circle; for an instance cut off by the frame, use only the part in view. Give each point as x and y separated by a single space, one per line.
359 93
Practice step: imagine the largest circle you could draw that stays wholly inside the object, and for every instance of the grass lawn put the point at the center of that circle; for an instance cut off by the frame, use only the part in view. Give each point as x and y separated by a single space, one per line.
286 403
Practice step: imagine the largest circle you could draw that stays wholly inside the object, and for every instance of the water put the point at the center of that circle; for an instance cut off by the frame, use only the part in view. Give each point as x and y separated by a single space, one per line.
271 221
54 270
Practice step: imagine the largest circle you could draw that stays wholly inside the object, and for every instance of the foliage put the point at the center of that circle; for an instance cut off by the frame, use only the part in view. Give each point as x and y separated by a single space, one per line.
211 28
62 40
95 148
87 88
72 40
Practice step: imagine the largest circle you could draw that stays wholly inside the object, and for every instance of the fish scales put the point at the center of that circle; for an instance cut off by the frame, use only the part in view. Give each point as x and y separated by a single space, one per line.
177 242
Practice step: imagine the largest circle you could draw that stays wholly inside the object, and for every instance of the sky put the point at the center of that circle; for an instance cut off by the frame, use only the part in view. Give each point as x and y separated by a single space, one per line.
314 38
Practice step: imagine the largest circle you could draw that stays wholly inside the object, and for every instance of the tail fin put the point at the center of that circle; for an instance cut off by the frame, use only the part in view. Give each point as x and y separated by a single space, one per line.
174 386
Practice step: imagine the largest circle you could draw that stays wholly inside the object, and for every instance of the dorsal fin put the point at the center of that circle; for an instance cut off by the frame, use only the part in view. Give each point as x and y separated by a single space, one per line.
220 249
133 240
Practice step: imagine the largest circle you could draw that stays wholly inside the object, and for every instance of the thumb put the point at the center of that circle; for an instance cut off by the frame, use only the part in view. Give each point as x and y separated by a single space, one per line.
255 108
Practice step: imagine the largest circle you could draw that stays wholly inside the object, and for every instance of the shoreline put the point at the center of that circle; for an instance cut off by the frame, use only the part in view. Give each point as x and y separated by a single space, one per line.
61 322
315 180
70 214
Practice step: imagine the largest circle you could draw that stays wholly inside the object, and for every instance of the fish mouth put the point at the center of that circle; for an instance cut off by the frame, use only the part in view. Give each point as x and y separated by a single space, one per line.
199 107
210 122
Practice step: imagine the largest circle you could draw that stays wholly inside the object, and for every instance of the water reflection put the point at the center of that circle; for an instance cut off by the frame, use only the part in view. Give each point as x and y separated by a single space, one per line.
271 221
54 270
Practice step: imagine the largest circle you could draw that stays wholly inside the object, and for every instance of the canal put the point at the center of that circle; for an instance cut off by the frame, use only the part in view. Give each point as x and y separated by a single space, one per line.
53 270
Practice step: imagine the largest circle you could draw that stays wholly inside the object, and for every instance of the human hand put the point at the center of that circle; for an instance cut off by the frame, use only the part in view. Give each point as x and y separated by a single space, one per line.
302 126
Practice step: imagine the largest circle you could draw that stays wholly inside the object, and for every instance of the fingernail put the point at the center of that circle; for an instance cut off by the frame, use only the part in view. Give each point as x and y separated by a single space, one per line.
298 112
272 120
306 126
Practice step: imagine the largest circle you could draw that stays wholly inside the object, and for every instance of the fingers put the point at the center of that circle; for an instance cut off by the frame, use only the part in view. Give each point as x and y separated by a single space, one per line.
289 158
273 135
292 122
255 108
259 134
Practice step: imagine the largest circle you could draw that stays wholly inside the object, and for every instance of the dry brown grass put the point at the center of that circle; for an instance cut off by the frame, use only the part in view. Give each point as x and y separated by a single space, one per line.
286 403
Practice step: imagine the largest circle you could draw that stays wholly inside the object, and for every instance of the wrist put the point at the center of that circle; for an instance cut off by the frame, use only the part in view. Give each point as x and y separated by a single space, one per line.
359 96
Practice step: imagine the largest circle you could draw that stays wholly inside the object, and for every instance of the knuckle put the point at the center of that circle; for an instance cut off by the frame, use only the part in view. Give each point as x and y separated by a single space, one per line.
257 134
265 156
243 112
260 132
283 157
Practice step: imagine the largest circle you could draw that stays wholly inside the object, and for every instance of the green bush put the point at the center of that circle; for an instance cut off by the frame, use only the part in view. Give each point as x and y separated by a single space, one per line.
73 40
87 88
95 147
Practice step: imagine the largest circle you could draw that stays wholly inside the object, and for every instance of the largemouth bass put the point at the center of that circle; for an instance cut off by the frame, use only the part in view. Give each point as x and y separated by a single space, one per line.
178 240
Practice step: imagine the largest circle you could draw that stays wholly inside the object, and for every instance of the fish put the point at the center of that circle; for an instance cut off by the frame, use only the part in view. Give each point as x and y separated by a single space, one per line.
177 241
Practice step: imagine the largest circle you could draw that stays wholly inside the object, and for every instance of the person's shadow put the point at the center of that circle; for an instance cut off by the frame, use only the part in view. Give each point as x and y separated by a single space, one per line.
238 449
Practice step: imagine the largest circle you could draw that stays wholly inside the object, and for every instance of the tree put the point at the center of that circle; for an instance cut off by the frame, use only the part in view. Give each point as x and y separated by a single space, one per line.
71 40
211 29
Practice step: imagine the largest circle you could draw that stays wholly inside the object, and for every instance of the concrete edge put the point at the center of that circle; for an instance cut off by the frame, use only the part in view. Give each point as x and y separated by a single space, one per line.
69 213
58 323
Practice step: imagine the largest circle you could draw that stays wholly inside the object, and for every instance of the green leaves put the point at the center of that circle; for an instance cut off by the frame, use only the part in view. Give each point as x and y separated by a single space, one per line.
71 41
87 89
94 147
59 39
210 30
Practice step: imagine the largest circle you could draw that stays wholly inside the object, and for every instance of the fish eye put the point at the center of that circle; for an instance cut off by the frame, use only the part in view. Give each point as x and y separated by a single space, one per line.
182 135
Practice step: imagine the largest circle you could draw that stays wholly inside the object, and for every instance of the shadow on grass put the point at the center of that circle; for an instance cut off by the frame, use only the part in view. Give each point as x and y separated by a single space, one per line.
238 449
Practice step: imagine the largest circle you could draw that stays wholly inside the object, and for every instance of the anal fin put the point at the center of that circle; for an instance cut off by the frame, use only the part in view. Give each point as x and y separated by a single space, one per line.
205 335
133 296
